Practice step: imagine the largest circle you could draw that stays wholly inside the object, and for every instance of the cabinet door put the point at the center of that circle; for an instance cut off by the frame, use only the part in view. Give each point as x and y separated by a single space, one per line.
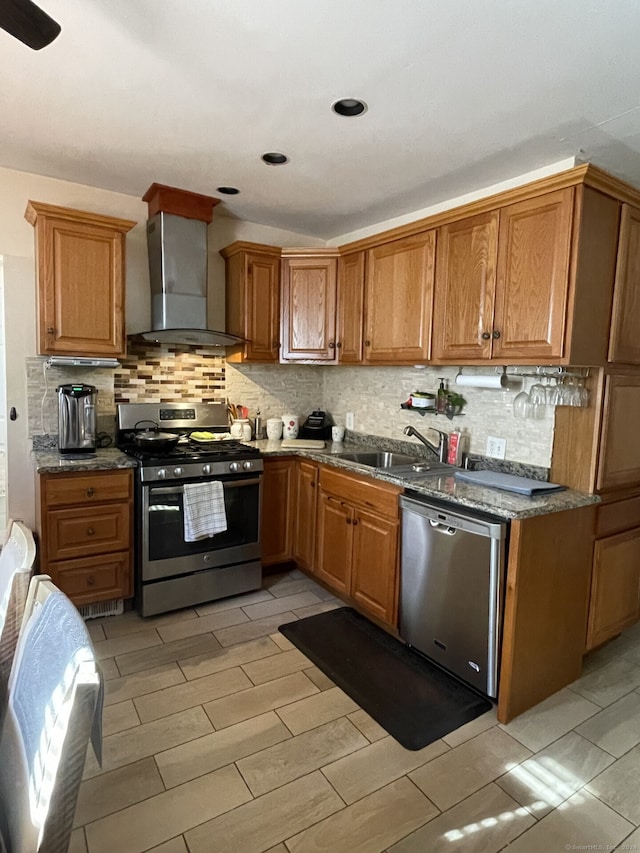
252 303
619 462
624 345
465 287
532 285
309 308
277 485
335 543
374 574
350 308
304 529
398 299
80 262
615 586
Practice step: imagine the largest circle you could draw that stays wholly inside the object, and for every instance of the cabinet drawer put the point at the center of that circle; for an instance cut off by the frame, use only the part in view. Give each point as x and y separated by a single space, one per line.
620 515
88 487
90 530
366 491
94 578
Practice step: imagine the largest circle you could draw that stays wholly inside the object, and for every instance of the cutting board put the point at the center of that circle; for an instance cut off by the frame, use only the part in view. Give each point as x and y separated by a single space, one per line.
302 444
508 482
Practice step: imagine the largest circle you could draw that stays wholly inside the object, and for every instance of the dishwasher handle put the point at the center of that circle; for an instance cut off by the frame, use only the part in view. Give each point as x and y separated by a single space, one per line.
442 528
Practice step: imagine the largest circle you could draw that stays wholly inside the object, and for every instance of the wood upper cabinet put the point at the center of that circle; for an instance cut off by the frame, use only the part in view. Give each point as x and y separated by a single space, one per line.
253 301
278 485
619 459
304 524
357 550
80 259
534 251
398 300
465 288
529 282
624 345
350 307
309 294
85 523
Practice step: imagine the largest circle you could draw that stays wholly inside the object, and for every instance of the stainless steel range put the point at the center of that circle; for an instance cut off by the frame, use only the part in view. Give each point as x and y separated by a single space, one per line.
171 572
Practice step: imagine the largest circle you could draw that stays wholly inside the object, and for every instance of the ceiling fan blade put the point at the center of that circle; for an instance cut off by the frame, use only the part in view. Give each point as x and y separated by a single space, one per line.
28 23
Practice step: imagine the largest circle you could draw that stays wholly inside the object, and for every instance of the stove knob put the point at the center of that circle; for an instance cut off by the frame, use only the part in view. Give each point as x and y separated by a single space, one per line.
178 472
247 466
162 473
206 469
234 467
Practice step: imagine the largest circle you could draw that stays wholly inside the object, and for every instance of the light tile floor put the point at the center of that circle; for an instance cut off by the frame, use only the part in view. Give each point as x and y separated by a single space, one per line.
221 736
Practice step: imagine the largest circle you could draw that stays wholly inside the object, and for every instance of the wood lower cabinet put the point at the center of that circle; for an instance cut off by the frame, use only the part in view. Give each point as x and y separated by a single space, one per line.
278 486
80 261
304 516
253 301
85 530
357 541
309 294
398 300
615 579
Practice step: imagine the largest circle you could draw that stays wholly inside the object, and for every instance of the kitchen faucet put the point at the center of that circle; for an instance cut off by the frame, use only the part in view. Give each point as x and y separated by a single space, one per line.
440 451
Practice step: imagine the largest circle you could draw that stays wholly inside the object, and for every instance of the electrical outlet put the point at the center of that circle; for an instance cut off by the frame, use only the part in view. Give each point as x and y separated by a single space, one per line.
496 447
349 421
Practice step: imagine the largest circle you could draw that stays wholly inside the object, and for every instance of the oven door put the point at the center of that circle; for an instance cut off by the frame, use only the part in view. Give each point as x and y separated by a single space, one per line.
164 552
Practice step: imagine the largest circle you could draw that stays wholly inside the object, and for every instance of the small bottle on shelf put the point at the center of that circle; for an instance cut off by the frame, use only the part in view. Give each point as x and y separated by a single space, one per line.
441 398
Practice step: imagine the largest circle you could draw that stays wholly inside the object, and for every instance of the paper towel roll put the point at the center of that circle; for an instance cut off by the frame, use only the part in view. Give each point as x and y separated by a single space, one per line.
482 380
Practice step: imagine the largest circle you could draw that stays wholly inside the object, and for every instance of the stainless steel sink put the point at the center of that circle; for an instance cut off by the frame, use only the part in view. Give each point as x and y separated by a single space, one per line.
379 459
423 468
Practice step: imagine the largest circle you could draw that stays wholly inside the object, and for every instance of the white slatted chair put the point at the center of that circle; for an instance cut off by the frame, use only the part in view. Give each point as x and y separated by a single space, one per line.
16 567
55 699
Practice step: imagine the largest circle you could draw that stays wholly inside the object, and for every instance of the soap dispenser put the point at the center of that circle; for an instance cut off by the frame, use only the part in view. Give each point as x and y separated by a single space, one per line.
441 398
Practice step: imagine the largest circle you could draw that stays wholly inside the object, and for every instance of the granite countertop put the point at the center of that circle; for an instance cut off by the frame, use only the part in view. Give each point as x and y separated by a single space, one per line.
442 486
49 461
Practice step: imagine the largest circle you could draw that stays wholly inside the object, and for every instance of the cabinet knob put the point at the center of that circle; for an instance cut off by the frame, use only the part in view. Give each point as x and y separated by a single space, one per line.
90 531
276 344
486 336
367 343
348 520
354 522
90 492
313 485
51 330
496 335
91 580
332 345
339 344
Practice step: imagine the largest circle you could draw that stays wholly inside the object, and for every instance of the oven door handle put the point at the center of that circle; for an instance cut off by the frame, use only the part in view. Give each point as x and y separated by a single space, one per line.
230 484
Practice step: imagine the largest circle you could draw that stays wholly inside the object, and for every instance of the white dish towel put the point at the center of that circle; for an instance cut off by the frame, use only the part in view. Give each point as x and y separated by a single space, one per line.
204 513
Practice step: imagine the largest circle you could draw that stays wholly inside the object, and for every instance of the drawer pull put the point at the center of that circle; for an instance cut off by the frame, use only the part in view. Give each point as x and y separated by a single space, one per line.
90 531
90 492
91 580
348 520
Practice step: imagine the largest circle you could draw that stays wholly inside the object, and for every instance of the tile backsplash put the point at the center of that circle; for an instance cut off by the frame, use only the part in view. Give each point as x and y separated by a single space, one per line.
373 394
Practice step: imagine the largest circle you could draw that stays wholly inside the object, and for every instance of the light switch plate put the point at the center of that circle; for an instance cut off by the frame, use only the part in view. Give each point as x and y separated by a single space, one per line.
496 447
349 420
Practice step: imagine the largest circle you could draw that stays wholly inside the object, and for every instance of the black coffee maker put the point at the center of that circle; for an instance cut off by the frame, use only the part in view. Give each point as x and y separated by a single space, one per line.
317 425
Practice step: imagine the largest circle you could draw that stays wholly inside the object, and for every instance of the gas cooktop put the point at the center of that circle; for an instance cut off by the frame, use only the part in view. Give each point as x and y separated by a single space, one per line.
191 452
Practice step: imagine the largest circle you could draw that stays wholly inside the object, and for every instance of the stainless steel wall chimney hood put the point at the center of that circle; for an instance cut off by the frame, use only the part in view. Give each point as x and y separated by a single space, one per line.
177 245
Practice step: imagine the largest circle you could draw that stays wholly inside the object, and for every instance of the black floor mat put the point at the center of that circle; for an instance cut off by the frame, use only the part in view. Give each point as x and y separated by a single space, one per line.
412 699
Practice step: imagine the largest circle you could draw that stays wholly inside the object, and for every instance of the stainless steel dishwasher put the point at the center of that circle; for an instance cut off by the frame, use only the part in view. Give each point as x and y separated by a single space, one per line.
451 588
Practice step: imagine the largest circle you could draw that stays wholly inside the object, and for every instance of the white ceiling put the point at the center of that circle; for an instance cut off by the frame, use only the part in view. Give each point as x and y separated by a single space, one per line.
190 93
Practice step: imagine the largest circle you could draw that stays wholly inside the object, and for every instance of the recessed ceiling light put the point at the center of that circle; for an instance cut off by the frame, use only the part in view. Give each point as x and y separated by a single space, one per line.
349 107
228 190
274 158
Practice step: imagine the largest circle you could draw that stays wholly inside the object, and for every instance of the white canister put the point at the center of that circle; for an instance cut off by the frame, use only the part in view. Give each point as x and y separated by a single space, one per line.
290 426
238 428
274 429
